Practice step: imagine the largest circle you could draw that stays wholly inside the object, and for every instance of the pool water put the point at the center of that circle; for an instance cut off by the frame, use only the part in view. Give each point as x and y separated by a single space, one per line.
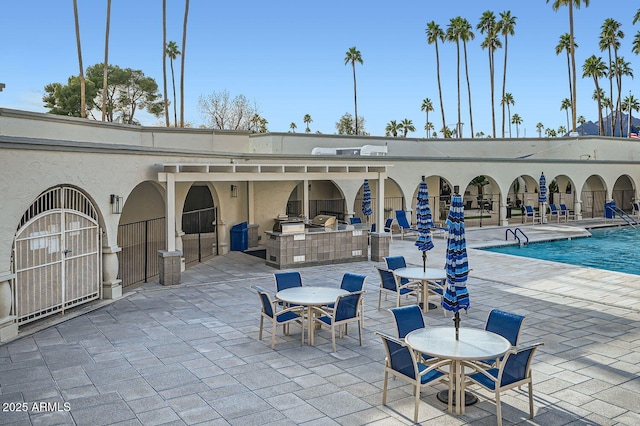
613 249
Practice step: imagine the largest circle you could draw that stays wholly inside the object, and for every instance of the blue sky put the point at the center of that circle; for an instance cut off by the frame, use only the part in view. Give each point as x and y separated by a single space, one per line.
288 56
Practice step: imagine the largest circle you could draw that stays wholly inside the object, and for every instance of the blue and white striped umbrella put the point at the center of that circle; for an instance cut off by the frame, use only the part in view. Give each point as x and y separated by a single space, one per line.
424 222
366 199
456 295
542 198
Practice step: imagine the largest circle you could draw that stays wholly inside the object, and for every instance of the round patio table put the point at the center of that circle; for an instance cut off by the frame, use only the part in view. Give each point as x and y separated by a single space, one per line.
308 297
473 345
430 276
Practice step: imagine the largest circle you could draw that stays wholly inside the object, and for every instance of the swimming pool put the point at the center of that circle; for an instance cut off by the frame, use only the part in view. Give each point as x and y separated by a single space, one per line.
613 249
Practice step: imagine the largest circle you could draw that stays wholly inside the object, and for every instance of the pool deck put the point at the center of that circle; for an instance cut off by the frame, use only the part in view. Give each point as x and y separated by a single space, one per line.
190 354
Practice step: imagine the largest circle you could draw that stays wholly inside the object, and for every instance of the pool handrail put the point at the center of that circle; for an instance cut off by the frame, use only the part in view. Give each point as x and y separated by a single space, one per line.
514 232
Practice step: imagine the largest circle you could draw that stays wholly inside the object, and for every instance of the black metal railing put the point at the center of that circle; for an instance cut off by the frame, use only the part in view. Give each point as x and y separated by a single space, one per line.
140 242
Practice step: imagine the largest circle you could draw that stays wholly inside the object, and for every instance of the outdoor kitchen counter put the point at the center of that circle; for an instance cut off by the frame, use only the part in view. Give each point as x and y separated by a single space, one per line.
316 246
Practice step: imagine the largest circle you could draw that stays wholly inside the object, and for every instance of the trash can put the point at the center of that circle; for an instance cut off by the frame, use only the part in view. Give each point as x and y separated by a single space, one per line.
240 237
609 210
508 212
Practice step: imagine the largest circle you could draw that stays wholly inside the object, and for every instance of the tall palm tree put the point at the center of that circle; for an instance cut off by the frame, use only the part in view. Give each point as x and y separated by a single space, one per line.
539 128
106 62
353 56
507 101
562 130
582 121
164 61
556 5
429 127
487 26
427 106
393 128
517 120
622 68
293 127
629 104
610 41
453 35
407 126
595 68
565 45
172 52
83 96
565 105
184 49
435 33
465 35
506 26
307 119
636 44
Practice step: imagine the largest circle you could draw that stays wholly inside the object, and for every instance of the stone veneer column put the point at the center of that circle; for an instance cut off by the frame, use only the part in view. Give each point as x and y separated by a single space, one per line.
111 285
380 245
8 320
170 263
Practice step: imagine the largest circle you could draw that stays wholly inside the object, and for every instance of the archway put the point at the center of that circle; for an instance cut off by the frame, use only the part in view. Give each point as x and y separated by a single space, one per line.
593 197
481 199
623 193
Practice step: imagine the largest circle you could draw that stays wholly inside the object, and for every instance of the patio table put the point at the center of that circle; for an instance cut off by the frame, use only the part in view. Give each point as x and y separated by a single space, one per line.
473 345
309 297
430 277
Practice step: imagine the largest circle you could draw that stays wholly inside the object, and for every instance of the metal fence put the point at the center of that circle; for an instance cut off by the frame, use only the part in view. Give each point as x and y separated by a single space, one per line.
333 207
200 239
140 242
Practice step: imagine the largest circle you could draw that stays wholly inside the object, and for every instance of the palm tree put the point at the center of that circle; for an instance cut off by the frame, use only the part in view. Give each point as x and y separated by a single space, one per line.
565 45
465 35
453 34
427 106
506 26
566 105
429 127
594 67
407 126
172 52
479 134
184 49
610 40
582 121
539 128
393 128
106 62
571 4
508 101
488 26
621 68
636 44
435 33
293 127
630 103
164 61
353 56
83 100
307 119
562 130
517 120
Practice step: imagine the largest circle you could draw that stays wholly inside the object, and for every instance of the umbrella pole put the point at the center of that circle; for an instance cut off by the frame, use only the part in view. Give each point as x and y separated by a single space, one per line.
424 261
456 321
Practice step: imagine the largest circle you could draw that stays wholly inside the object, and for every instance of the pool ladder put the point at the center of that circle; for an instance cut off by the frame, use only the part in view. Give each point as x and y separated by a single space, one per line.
515 232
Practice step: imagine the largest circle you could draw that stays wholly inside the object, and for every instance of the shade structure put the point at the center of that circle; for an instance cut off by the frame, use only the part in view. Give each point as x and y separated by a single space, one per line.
456 295
424 222
366 200
542 197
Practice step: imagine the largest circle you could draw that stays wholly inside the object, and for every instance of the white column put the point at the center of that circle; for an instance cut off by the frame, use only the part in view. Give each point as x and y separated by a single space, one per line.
171 212
111 285
380 198
305 198
250 203
8 320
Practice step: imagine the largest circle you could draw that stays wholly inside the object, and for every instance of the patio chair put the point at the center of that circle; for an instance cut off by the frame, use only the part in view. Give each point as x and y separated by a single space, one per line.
401 362
409 318
507 325
568 213
558 213
529 213
347 309
389 285
352 282
514 371
354 220
396 262
286 280
283 317
403 223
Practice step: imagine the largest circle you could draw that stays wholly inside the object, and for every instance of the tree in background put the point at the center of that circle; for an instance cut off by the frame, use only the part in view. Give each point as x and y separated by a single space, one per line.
435 33
392 128
610 41
427 106
539 128
506 27
220 111
172 52
595 68
582 121
517 120
184 49
164 62
429 127
65 100
630 104
507 101
565 45
106 58
292 127
353 56
465 35
346 126
258 124
407 126
556 4
622 68
488 26
562 130
83 94
307 119
565 105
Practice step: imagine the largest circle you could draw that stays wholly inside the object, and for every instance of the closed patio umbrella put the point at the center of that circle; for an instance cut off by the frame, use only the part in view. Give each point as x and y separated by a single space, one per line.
542 197
366 200
424 222
456 295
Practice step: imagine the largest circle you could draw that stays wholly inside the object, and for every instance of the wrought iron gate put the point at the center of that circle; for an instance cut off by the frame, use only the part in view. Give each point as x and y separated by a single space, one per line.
200 239
140 242
56 255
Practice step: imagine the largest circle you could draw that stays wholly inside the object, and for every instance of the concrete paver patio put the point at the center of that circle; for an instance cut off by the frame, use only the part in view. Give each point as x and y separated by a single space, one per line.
190 354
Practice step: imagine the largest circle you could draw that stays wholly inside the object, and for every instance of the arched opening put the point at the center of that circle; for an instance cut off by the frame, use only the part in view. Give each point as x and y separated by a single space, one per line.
324 198
199 224
593 197
393 199
481 200
623 193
